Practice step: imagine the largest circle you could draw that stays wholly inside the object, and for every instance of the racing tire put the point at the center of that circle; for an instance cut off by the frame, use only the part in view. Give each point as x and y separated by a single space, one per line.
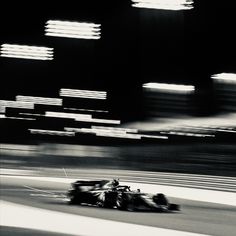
121 203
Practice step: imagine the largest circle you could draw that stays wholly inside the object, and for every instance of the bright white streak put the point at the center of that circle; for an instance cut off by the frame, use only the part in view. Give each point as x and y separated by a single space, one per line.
80 117
67 115
88 110
2 116
40 100
188 134
71 36
117 135
83 93
70 29
14 104
153 136
72 23
169 87
25 48
115 129
225 77
164 4
26 52
26 57
51 132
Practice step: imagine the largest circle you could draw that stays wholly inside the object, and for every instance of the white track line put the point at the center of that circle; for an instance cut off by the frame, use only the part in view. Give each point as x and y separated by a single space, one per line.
58 222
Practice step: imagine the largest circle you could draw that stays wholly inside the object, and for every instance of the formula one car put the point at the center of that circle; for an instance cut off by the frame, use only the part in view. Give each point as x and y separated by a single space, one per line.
111 194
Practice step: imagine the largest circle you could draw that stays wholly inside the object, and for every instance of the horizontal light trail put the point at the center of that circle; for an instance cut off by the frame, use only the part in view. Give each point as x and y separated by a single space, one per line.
70 29
30 114
88 110
214 129
15 118
113 132
164 4
187 134
13 55
51 132
75 116
91 94
26 52
169 87
41 219
40 100
80 117
154 136
117 135
73 24
225 78
127 130
226 120
14 104
105 121
71 35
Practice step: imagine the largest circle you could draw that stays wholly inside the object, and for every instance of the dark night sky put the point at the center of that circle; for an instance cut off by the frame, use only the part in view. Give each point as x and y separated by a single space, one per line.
137 46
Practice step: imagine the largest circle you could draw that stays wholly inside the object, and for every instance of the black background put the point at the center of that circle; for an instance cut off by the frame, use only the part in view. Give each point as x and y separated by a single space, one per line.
137 46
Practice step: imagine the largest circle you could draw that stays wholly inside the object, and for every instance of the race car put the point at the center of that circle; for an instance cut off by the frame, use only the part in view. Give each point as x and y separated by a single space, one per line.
111 194
100 193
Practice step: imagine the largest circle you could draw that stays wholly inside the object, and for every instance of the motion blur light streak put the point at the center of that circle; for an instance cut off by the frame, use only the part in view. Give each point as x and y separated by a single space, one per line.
164 4
117 135
26 52
83 93
80 117
51 132
105 132
188 134
14 104
69 29
113 132
154 136
225 87
225 77
40 100
80 130
68 115
105 121
169 87
88 110
115 129
15 118
30 114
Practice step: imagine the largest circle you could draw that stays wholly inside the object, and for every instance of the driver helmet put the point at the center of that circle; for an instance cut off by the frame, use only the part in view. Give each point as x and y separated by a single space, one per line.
115 182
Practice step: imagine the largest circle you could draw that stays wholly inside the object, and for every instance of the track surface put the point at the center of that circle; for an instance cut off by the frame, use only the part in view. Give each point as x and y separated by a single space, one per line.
197 217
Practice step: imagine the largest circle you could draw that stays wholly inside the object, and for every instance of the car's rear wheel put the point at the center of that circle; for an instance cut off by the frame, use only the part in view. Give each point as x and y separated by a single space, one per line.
121 203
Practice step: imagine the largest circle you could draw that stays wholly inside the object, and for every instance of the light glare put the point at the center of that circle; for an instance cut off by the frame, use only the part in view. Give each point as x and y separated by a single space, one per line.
164 4
169 87
69 29
83 93
225 77
26 52
40 100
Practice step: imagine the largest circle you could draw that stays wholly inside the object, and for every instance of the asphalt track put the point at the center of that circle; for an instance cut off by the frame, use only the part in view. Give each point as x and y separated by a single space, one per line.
195 216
